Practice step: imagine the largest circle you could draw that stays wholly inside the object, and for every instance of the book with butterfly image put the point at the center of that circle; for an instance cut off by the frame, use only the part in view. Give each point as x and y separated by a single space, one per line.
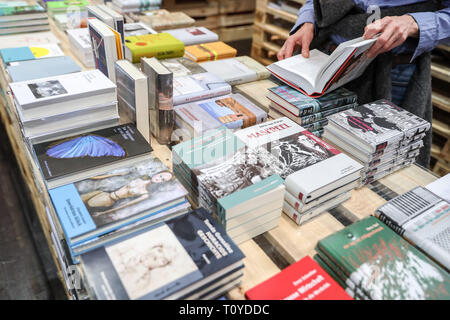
75 158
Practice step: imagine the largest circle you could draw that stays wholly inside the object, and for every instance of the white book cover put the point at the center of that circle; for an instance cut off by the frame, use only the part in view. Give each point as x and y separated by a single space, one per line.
80 38
231 70
46 50
310 166
194 35
26 39
46 91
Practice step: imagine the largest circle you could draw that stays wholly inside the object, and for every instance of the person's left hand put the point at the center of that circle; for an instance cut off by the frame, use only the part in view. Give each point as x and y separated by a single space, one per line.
393 32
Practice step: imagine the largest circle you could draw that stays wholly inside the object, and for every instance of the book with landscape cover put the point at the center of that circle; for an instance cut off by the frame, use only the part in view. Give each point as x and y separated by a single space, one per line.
210 51
170 260
96 149
182 66
379 125
322 73
160 45
383 264
113 199
310 166
302 280
194 35
301 105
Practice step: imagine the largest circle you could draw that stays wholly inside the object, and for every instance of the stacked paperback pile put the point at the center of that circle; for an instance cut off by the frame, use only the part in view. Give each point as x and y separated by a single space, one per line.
310 113
55 107
235 183
21 16
188 257
373 262
425 224
62 7
380 135
318 177
125 6
81 46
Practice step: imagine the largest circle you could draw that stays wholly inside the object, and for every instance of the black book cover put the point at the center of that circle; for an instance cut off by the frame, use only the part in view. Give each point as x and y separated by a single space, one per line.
89 150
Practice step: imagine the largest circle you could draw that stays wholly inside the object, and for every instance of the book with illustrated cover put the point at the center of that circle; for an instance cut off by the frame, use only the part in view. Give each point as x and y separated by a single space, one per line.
301 105
231 70
161 99
54 7
21 11
303 280
383 264
11 55
168 20
94 150
182 66
310 166
113 199
193 35
197 87
210 51
132 96
160 45
423 218
171 260
377 125
126 6
233 111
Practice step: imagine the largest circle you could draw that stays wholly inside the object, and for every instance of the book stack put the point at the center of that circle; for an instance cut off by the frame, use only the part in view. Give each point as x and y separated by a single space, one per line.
61 7
374 262
209 51
182 66
194 35
310 113
380 135
59 106
19 17
137 29
13 55
188 257
317 176
161 46
126 6
235 183
425 224
81 46
237 70
165 20
70 20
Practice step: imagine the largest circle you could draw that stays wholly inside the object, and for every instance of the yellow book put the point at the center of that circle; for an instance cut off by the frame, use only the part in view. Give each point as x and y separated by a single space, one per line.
209 51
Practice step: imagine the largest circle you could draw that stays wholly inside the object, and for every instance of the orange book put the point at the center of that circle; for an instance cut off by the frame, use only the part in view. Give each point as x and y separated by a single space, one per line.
209 51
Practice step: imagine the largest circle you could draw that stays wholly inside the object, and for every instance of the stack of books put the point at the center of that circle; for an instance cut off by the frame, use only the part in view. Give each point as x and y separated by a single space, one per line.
209 51
425 224
164 20
62 7
182 66
59 106
161 46
374 262
81 46
72 20
194 35
235 183
126 6
20 16
137 29
310 113
188 257
318 177
380 135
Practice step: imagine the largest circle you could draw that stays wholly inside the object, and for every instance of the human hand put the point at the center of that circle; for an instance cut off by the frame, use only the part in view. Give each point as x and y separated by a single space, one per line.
301 39
393 32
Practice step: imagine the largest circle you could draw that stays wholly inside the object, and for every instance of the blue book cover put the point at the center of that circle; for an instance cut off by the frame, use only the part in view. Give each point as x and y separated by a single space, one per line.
42 68
163 261
16 54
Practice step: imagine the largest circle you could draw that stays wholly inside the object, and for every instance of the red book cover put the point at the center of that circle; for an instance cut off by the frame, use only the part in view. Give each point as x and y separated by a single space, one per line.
303 280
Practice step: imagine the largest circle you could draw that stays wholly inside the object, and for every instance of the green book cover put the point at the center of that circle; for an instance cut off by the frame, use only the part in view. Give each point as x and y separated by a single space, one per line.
64 5
19 10
383 263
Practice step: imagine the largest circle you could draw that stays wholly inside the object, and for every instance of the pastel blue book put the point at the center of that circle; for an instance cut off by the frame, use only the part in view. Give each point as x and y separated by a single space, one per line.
16 54
41 68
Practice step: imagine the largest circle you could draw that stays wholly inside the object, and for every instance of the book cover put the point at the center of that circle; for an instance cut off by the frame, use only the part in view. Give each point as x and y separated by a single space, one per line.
168 20
17 10
81 38
163 261
303 280
181 67
106 202
16 54
161 46
137 29
384 264
78 153
252 64
231 70
194 35
210 51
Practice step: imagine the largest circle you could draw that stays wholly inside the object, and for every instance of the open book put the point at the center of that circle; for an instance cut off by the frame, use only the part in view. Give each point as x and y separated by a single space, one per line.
321 73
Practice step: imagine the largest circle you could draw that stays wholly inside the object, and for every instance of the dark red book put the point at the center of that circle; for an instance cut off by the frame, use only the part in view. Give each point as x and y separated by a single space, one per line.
303 280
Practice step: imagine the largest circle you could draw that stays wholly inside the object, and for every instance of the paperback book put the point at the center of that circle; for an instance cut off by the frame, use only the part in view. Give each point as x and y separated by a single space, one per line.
194 35
161 46
181 67
210 51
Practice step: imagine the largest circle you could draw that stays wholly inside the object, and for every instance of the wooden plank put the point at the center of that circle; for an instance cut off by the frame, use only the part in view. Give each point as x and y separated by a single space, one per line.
235 33
233 6
408 178
363 203
441 128
441 101
440 71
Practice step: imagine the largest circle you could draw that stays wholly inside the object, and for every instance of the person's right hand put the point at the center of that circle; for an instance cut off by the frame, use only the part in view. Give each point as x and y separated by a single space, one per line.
301 39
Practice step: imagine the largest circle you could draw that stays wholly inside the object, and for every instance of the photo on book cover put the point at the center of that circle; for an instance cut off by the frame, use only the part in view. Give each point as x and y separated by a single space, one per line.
46 89
195 31
123 192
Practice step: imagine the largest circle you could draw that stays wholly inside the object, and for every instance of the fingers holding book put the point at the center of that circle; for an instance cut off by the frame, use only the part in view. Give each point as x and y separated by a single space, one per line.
301 39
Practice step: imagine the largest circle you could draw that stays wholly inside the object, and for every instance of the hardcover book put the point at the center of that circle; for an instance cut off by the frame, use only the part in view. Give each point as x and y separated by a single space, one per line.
303 280
164 261
210 51
194 35
383 264
181 67
161 46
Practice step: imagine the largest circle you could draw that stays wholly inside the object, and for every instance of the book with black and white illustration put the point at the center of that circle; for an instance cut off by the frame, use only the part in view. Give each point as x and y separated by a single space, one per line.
132 96
182 66
322 73
423 218
310 166
177 259
194 35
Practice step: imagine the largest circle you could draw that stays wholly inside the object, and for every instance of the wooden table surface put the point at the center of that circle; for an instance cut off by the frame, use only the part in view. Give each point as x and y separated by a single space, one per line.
265 254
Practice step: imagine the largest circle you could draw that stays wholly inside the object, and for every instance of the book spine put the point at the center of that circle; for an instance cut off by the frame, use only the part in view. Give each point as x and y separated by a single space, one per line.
389 222
164 109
